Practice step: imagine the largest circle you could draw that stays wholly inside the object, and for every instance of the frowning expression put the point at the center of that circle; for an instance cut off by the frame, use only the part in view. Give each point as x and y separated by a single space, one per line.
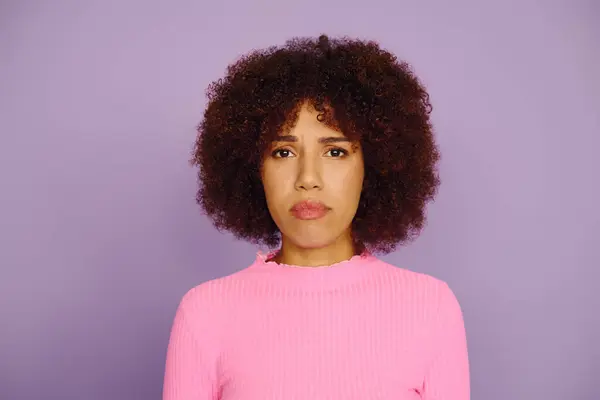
313 176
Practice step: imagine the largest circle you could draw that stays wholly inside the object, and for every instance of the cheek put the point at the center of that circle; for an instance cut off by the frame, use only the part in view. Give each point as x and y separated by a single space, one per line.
346 188
276 184
350 182
271 192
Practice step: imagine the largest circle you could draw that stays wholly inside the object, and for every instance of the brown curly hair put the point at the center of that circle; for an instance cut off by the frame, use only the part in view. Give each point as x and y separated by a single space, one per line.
358 88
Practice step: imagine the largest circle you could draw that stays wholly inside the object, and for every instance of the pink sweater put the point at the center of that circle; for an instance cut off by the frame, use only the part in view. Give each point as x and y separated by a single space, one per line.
359 329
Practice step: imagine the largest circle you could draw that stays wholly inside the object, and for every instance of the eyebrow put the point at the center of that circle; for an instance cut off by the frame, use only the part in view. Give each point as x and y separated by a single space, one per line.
324 140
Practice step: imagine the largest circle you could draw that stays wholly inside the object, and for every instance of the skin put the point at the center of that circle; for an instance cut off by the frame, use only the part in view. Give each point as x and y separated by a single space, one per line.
313 161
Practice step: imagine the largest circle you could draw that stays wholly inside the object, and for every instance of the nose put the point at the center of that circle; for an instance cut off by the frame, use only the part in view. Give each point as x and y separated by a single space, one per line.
309 175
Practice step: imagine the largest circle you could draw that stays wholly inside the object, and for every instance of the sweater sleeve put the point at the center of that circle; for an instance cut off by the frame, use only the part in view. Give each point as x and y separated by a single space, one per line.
190 368
447 377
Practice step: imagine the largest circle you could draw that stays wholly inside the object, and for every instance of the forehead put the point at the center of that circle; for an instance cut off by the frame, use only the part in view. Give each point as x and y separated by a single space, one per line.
308 124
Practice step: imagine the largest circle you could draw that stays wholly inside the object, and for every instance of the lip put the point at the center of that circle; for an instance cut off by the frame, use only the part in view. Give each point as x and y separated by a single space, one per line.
309 210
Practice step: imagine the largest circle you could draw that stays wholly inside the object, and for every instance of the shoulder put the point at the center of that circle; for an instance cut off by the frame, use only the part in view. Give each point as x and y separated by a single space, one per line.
431 297
203 310
404 276
420 286
214 293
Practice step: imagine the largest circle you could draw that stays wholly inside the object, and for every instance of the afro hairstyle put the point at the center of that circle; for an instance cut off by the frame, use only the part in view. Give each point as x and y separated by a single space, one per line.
358 88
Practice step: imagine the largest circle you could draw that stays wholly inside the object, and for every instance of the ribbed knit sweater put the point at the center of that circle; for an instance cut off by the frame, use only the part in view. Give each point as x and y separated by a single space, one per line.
359 329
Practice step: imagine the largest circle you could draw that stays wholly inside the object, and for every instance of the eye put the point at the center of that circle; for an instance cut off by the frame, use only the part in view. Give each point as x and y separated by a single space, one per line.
281 153
337 152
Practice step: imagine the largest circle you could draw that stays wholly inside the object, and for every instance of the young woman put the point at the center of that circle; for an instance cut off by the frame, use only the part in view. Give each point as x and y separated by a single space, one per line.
323 150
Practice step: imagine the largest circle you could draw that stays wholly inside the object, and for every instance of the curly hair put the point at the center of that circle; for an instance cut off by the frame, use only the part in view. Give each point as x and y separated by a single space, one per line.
358 88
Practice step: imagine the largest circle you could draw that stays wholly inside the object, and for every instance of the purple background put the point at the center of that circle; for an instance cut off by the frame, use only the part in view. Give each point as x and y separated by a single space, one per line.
100 236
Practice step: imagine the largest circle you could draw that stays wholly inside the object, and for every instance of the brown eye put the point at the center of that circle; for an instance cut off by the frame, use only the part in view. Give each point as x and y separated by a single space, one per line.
281 153
337 152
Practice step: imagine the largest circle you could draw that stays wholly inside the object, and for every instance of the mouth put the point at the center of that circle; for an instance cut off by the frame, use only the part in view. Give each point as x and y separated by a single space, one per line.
309 210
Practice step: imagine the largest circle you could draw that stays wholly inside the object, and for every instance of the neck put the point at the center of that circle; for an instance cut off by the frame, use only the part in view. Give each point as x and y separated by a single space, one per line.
292 254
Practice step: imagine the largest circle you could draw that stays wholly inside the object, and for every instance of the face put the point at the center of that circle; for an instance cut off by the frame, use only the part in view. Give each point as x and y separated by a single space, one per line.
312 177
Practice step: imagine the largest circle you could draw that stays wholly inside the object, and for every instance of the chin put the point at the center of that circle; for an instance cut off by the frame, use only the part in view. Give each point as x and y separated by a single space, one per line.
311 242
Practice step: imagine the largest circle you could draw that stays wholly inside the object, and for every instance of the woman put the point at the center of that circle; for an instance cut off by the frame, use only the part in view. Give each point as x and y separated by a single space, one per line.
322 149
